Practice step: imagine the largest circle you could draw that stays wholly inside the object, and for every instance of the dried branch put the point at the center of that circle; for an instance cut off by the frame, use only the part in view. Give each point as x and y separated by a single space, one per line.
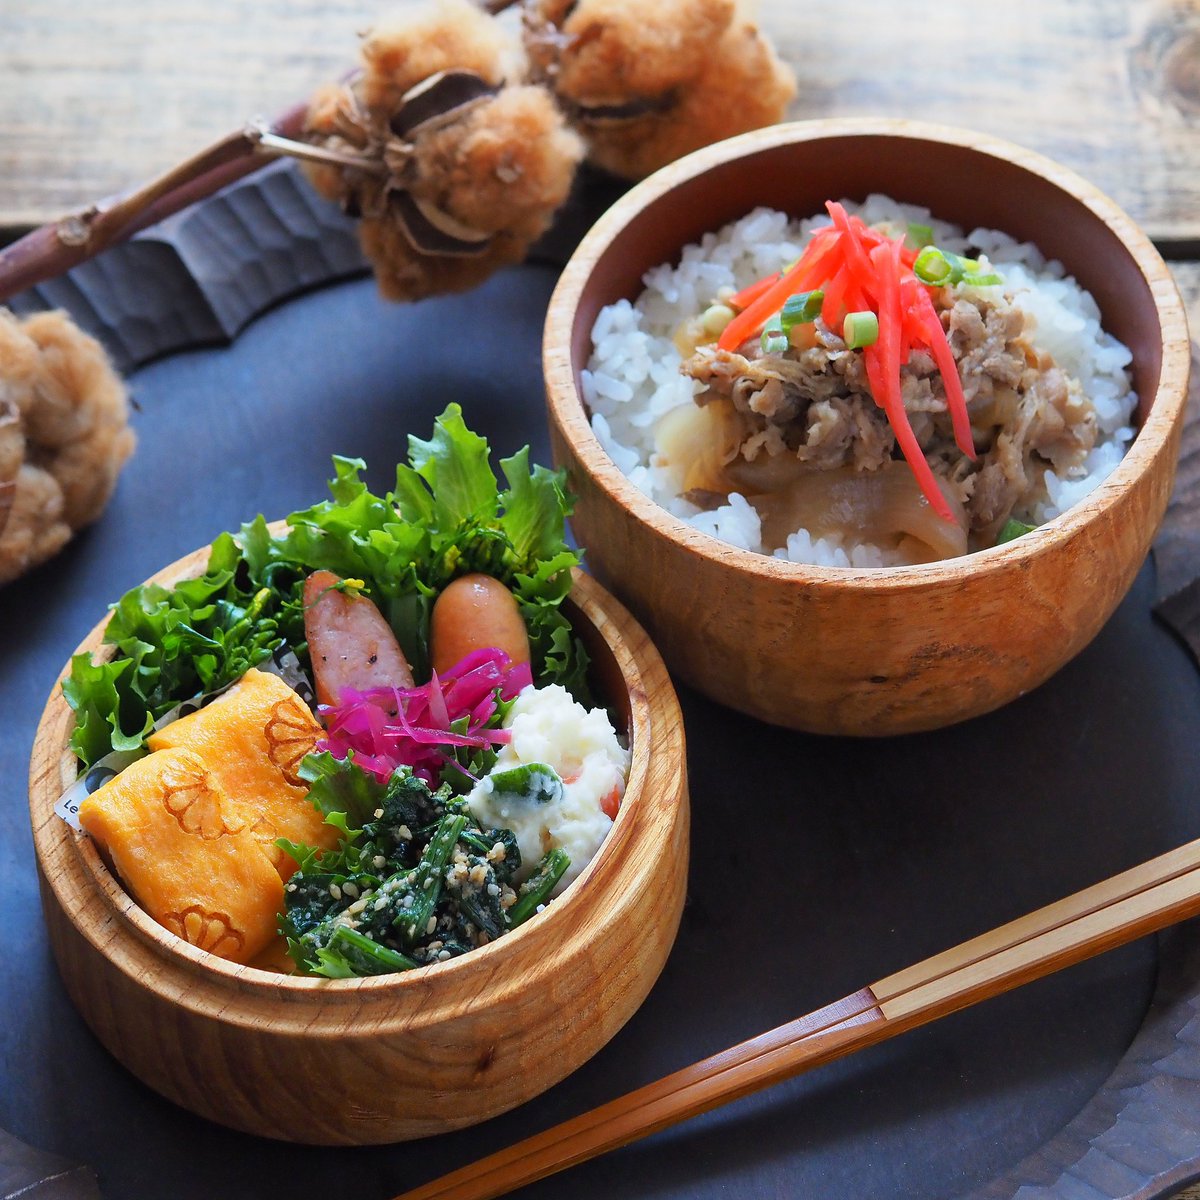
56 248
63 244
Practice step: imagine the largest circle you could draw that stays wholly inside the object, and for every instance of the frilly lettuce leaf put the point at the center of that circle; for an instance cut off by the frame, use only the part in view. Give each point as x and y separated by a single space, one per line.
172 644
454 466
445 517
342 786
91 690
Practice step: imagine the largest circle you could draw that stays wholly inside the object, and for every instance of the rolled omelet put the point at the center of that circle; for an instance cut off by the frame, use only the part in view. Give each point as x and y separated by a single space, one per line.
185 852
253 739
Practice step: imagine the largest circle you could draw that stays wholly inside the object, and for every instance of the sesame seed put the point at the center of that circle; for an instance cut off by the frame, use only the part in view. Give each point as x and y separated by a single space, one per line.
379 861
335 891
378 813
431 925
350 889
405 833
381 904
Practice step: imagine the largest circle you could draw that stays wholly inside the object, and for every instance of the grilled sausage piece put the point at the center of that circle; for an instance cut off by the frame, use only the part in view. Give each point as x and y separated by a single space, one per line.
350 642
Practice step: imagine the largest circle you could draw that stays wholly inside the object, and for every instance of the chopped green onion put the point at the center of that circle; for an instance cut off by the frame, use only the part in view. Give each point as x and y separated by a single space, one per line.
934 267
989 280
1012 530
774 340
801 309
919 236
860 329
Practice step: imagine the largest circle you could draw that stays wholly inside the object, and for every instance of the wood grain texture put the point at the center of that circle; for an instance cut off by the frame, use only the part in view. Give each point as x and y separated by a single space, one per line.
109 96
393 1057
868 652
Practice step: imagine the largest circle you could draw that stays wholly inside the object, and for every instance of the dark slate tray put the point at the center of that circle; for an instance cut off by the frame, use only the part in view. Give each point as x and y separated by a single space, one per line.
1084 1085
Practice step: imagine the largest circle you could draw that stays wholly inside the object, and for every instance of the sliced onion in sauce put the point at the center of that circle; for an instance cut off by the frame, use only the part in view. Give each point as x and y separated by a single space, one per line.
695 443
883 507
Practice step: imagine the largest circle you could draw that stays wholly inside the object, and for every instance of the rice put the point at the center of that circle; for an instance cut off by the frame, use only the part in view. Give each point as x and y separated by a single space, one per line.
633 376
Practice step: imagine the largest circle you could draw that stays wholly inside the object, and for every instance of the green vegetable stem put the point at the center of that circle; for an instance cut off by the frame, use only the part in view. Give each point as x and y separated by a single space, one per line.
536 890
426 880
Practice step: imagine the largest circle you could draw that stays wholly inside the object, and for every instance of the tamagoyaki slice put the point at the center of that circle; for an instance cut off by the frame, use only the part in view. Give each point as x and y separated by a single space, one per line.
185 852
253 739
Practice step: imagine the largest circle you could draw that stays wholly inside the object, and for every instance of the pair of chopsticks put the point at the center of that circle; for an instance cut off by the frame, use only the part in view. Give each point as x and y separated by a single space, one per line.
1141 900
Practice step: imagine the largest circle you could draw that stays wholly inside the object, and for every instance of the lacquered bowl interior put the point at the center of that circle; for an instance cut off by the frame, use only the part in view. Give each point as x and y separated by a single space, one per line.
863 684
454 1042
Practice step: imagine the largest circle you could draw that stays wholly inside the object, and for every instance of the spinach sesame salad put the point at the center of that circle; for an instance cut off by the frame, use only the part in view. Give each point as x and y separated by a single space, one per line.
453 779
416 879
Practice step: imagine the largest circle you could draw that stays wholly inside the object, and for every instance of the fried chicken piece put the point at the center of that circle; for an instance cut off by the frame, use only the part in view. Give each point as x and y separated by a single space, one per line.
469 169
648 83
64 436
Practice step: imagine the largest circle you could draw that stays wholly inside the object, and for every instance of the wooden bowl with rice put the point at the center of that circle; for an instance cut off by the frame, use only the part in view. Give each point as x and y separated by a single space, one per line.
878 649
390 1057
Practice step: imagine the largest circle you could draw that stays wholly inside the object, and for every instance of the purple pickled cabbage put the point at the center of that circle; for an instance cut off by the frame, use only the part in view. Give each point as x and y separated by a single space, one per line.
410 727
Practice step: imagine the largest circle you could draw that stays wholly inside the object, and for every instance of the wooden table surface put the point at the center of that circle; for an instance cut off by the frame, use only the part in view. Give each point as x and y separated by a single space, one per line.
98 97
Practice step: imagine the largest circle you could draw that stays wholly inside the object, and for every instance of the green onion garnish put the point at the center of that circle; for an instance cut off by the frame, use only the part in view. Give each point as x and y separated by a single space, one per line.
934 267
919 236
801 309
938 268
774 340
860 329
1012 529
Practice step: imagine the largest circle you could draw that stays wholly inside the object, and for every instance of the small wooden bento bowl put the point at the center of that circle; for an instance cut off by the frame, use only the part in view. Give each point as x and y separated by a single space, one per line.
385 1059
885 650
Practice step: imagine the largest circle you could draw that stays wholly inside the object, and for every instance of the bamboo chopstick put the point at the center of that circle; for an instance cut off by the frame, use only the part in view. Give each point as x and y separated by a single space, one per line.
1118 910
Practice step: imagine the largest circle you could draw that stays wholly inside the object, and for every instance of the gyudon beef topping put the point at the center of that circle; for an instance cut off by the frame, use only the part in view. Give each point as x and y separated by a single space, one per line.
776 417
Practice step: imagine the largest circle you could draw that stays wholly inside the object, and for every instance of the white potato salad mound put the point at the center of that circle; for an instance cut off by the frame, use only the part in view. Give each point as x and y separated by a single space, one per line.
558 782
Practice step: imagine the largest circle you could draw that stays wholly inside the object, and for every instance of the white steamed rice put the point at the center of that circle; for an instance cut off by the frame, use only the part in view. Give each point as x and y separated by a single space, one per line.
633 378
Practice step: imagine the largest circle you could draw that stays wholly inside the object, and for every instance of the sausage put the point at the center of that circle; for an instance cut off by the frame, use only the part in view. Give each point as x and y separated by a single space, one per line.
475 612
349 641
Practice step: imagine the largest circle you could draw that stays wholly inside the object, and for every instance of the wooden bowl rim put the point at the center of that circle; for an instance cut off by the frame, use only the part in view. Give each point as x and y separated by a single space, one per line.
1151 440
590 602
